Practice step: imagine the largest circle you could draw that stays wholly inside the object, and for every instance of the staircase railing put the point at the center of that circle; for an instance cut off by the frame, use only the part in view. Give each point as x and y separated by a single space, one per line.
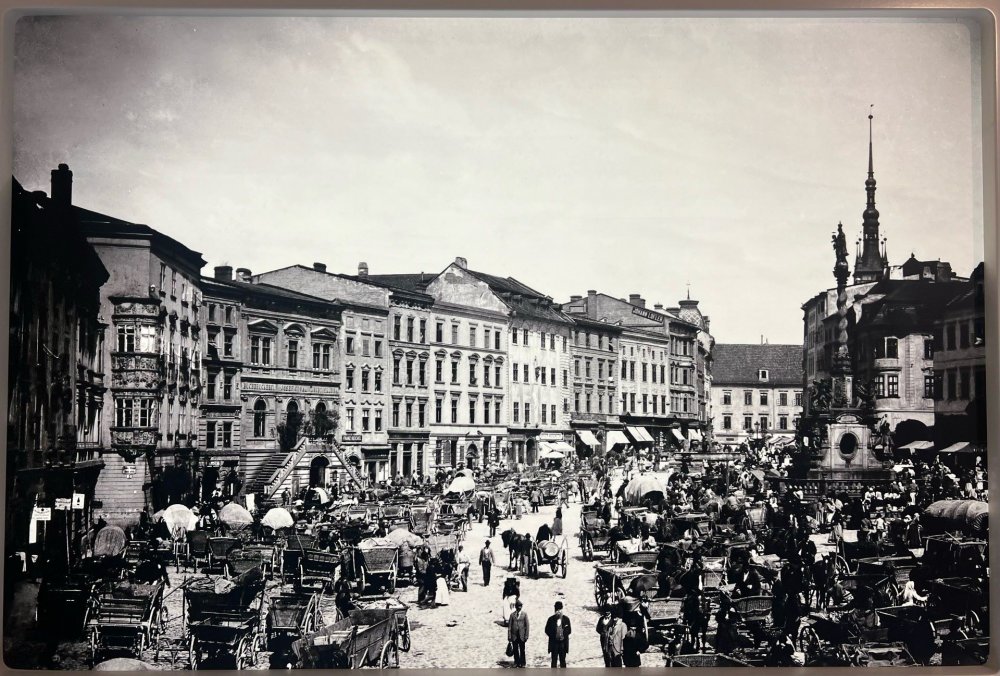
346 465
279 475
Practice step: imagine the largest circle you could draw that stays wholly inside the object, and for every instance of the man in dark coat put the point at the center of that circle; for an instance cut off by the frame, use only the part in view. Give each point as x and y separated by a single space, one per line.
558 629
517 633
544 533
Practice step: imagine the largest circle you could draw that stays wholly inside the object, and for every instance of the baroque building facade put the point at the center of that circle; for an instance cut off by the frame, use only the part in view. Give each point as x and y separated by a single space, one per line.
56 371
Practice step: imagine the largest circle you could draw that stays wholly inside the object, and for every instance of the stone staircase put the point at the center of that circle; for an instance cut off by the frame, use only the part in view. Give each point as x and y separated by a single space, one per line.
275 473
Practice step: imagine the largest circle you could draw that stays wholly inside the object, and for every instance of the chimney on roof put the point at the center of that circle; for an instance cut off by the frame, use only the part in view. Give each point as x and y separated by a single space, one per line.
658 307
62 186
708 323
462 263
224 273
319 267
573 299
362 269
243 274
636 299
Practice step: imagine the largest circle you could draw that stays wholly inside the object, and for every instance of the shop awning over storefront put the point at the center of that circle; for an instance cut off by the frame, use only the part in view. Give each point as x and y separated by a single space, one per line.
694 434
638 435
960 447
587 437
678 434
617 438
916 446
561 447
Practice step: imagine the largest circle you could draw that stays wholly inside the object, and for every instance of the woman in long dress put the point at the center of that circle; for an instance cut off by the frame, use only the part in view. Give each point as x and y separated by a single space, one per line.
441 594
557 523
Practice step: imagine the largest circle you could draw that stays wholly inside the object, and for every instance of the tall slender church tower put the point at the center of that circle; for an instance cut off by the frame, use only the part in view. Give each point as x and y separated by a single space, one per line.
871 263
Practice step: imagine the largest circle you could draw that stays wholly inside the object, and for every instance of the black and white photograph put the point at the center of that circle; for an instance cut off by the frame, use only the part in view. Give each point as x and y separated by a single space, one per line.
346 341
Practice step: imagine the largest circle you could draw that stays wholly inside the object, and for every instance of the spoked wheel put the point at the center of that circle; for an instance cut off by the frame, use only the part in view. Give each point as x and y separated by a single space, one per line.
404 637
392 581
588 550
93 648
192 654
362 581
243 653
554 565
565 564
389 659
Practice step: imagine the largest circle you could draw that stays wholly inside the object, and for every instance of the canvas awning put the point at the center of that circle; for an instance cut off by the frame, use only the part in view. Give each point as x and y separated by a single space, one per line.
639 435
694 434
587 437
916 446
678 434
960 447
617 438
561 447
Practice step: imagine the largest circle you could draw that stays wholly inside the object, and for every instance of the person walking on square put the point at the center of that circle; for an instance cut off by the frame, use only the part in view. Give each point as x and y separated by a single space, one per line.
604 625
616 639
494 521
558 629
486 561
517 633
557 523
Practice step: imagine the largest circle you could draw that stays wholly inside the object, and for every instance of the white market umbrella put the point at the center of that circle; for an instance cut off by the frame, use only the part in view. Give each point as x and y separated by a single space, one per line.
323 496
277 518
466 472
401 536
235 516
178 516
461 484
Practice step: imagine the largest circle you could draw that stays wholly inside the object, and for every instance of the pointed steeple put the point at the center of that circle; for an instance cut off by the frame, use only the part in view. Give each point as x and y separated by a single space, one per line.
871 263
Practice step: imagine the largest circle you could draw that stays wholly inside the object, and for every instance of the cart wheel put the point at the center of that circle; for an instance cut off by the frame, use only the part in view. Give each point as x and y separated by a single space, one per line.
93 648
192 655
565 564
404 637
389 659
362 581
242 650
588 550
392 581
973 623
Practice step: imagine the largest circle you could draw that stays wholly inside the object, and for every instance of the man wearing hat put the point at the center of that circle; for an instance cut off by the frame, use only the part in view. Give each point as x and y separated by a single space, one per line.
558 629
517 633
616 638
604 625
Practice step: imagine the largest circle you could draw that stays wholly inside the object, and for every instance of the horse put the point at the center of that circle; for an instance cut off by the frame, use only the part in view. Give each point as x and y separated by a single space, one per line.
512 543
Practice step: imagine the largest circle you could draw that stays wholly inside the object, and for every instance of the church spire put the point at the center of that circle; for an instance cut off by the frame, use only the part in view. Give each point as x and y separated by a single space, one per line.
871 264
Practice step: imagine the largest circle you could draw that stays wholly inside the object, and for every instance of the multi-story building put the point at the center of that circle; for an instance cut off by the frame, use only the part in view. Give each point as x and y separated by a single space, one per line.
756 391
891 341
364 333
959 359
591 384
468 325
55 375
152 300
272 374
658 393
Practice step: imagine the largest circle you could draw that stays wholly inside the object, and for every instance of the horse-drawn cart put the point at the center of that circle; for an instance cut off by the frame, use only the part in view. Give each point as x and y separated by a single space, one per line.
611 583
549 553
366 638
125 617
379 566
289 618
225 623
594 535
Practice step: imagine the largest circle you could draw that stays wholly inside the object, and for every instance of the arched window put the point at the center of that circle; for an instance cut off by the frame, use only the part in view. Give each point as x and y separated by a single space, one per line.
292 407
321 407
260 418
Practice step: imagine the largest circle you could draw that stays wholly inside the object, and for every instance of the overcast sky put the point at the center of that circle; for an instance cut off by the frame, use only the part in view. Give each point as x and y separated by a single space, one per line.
623 155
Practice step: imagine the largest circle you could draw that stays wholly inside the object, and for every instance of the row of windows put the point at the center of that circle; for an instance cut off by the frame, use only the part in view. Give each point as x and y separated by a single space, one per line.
134 412
654 403
545 376
682 403
762 423
370 347
260 415
221 312
262 352
491 334
962 334
763 396
405 414
219 435
586 339
958 384
589 401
